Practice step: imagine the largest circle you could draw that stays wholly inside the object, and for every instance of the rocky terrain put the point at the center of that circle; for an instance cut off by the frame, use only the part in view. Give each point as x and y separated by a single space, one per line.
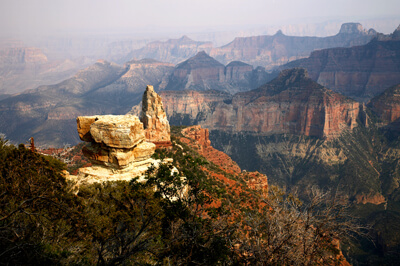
203 72
291 103
360 72
278 49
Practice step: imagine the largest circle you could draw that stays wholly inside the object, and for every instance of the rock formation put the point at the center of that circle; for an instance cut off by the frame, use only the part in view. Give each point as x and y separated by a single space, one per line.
198 138
118 149
103 88
387 105
154 119
203 72
360 72
292 103
189 107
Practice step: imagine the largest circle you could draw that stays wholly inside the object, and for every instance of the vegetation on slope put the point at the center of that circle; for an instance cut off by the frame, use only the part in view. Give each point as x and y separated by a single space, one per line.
192 220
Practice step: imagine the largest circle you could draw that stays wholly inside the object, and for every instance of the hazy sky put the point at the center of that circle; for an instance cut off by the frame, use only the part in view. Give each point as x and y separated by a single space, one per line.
42 16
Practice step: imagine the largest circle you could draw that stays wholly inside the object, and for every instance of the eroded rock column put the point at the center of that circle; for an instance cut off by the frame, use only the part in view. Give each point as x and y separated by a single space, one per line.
154 119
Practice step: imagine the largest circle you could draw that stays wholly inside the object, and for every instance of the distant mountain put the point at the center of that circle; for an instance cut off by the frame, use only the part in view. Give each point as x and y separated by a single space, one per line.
270 51
203 72
360 72
265 50
48 113
172 51
24 68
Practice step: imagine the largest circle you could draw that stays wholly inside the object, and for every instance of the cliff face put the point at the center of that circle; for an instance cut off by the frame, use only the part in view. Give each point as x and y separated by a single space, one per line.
271 51
173 51
189 107
292 103
203 72
360 72
387 105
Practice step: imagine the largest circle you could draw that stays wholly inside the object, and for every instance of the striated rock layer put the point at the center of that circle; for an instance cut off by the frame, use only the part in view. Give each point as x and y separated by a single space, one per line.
387 105
292 103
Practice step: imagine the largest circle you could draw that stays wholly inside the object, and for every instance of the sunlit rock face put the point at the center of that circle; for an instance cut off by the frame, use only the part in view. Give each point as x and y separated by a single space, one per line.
118 148
290 104
154 119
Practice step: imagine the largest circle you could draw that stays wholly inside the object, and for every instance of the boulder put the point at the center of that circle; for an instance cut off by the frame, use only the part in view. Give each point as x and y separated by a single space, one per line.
83 125
117 131
116 140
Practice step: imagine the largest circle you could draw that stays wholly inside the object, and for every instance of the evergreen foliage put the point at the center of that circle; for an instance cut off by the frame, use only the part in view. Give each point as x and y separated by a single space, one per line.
185 218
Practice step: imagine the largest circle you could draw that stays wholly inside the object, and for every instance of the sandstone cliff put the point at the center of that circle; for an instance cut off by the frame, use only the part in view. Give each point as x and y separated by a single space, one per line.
291 103
387 105
278 49
360 72
189 107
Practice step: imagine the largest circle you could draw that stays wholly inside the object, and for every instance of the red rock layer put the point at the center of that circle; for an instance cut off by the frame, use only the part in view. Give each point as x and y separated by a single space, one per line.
198 138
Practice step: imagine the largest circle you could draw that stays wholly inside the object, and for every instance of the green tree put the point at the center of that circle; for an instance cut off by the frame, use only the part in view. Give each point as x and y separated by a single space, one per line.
36 217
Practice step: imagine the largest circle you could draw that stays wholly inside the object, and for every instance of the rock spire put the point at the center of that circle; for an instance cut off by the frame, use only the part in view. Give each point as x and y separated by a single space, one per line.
154 119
